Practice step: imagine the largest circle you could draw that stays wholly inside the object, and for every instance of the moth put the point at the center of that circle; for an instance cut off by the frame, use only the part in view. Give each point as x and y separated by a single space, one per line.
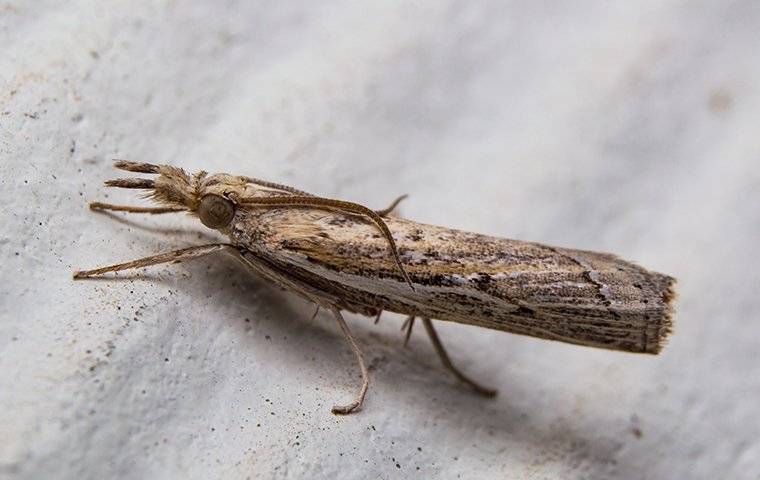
343 256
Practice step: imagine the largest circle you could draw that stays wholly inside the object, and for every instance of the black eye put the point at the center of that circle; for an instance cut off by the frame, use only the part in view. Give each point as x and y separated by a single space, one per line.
215 211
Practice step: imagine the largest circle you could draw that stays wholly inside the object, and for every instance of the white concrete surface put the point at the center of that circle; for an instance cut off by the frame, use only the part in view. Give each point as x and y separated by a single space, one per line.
629 127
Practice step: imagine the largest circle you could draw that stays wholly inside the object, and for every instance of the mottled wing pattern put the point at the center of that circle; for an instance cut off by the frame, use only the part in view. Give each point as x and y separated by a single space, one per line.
574 296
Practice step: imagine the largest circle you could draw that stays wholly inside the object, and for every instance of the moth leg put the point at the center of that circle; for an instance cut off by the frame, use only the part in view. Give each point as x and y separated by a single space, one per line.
345 409
486 392
390 208
173 256
408 325
322 299
130 208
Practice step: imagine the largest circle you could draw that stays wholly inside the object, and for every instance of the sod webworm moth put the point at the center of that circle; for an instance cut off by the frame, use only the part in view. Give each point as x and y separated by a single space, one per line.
343 256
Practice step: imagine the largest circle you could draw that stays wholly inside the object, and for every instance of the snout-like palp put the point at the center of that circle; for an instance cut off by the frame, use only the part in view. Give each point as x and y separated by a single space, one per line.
144 183
136 166
137 183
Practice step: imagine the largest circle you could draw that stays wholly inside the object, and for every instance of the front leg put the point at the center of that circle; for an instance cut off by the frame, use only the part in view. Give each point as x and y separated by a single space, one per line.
166 257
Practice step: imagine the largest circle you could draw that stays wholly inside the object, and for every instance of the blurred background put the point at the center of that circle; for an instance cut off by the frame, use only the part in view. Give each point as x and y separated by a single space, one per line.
623 127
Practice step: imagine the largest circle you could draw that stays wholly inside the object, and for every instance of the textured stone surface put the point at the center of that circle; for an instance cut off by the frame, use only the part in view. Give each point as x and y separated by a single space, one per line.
629 128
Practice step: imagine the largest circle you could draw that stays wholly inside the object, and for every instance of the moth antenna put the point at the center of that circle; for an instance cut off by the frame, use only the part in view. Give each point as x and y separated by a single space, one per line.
131 183
331 204
135 166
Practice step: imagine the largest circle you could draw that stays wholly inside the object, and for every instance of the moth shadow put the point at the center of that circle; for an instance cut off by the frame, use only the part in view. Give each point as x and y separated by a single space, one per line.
589 442
411 378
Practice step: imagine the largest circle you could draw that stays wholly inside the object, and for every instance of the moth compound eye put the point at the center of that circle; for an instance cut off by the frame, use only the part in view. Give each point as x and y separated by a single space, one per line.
215 211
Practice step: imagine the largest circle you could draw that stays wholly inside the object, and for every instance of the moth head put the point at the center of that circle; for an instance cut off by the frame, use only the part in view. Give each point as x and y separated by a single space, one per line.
210 198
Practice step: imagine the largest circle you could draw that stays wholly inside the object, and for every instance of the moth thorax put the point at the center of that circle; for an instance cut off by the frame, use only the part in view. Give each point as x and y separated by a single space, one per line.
215 211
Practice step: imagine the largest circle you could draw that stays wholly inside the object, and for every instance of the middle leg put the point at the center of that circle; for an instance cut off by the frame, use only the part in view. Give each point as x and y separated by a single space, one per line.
323 300
344 409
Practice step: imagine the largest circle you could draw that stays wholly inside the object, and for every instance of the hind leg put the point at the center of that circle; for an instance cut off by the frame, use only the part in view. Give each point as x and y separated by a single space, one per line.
486 392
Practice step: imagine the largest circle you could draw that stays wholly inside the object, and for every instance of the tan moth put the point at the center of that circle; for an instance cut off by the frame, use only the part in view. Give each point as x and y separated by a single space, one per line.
343 256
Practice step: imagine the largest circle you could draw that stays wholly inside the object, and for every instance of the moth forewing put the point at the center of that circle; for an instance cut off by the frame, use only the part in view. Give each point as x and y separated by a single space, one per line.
574 296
